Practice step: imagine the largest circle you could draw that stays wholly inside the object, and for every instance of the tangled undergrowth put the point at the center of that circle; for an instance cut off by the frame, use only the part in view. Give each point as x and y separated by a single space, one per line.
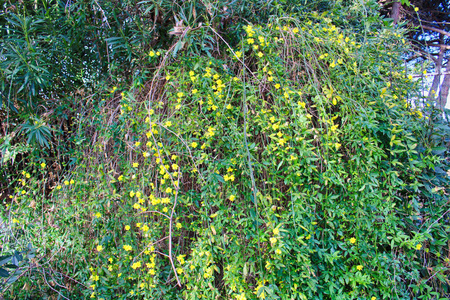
298 164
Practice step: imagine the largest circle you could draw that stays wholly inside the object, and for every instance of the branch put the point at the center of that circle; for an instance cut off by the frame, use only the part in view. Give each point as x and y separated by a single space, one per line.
423 54
170 238
61 295
439 45
156 212
436 30
430 74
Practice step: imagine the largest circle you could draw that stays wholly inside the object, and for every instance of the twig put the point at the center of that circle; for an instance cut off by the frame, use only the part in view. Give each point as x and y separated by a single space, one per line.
2 292
103 13
231 49
438 219
430 74
45 278
436 30
154 243
254 189
155 211
160 156
163 254
170 238
70 278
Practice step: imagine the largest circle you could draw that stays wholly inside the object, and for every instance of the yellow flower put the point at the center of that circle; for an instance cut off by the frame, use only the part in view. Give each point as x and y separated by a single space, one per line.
98 215
352 240
99 248
145 228
180 258
416 9
418 246
260 54
72 181
238 54
194 145
273 240
276 231
127 247
278 251
241 297
136 265
373 298
168 124
66 182
174 167
135 165
43 165
232 197
120 178
178 225
250 41
152 53
359 267
227 177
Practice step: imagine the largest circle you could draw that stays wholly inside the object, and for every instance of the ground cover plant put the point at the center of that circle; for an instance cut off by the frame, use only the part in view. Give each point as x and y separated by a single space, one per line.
295 159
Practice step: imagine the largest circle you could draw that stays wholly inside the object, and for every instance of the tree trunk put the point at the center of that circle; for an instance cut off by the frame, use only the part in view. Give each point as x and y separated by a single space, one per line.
395 12
443 93
437 78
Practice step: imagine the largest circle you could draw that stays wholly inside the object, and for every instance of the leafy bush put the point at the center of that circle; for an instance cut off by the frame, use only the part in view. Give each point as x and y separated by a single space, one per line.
297 162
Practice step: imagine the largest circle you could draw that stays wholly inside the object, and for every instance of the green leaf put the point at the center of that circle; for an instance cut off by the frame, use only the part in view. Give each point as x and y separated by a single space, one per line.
5 259
4 273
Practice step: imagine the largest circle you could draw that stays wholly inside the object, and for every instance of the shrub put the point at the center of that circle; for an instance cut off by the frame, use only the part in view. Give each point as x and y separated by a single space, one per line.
296 164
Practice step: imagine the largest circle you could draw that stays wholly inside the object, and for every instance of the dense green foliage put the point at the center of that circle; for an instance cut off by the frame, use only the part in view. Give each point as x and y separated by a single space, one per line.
240 158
